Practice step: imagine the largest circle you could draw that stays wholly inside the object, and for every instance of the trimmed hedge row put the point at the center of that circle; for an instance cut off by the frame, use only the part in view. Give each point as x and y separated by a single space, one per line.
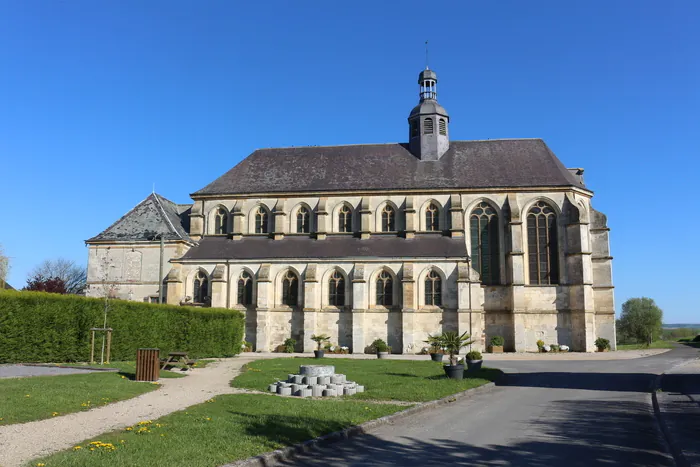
44 327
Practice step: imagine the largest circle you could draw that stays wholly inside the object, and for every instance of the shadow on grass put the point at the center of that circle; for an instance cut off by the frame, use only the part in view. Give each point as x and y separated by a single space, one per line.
575 433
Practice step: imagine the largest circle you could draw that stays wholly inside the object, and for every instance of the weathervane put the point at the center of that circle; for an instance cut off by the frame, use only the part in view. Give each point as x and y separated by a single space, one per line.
426 55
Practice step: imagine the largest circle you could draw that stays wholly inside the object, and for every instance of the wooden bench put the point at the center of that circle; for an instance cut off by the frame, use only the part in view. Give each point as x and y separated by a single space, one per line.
177 357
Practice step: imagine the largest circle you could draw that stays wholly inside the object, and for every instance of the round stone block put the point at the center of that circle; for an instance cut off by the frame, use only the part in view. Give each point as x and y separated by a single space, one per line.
290 378
359 388
324 380
305 393
329 393
349 391
310 380
272 388
316 370
297 387
296 379
317 391
282 391
336 379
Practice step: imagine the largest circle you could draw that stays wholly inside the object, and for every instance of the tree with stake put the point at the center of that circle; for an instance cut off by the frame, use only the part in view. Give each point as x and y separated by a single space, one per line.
319 339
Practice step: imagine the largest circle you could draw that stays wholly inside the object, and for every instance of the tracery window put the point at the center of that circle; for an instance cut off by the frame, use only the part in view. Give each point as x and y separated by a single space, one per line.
433 289
428 126
220 221
303 220
345 219
245 289
432 218
543 256
261 221
336 289
385 289
388 219
290 289
200 288
484 239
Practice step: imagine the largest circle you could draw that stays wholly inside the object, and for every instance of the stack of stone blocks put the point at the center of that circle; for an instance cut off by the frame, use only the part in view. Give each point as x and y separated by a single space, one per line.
316 381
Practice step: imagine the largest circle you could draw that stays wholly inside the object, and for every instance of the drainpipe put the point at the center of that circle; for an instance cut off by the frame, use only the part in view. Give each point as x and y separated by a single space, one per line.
469 271
228 284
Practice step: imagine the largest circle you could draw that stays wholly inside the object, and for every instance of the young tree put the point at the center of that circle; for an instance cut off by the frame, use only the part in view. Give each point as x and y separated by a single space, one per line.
4 268
40 283
641 320
73 276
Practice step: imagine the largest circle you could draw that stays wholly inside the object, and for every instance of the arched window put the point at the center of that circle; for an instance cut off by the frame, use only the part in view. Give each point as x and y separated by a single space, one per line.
261 221
428 126
220 221
245 289
543 253
336 289
433 289
201 287
414 129
483 226
345 219
303 220
443 127
432 218
385 289
290 289
388 219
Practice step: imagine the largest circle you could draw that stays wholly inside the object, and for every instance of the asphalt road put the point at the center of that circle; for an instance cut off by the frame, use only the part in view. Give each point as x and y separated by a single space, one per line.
563 413
21 371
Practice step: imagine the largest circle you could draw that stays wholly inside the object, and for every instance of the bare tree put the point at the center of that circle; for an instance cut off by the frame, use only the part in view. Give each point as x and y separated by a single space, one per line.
4 268
72 275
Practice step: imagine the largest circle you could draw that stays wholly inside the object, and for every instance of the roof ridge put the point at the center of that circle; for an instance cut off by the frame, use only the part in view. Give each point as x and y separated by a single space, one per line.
165 215
122 217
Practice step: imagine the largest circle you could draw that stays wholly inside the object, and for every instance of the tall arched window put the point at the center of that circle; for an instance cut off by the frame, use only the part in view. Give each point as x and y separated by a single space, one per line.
336 289
290 289
200 289
432 218
433 289
385 289
261 221
443 127
303 220
483 226
543 253
345 219
220 221
428 126
388 219
245 289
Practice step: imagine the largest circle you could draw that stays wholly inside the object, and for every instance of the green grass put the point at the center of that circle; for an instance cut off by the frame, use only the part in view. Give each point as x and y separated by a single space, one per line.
128 369
231 427
654 345
39 397
403 380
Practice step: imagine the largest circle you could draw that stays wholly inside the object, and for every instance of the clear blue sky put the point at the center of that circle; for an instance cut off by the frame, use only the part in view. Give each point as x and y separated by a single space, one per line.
99 100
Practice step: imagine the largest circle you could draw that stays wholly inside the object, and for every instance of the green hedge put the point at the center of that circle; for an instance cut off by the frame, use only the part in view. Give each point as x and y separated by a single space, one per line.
44 327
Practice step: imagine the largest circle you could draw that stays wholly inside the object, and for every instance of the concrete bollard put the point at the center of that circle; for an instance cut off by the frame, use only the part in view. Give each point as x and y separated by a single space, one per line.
349 391
290 378
329 393
359 388
324 380
297 379
297 387
284 391
272 388
336 379
317 391
310 380
305 393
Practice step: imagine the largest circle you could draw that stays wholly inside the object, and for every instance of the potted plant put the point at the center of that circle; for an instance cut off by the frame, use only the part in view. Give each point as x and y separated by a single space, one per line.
247 346
319 339
453 342
497 344
602 344
474 360
381 348
436 352
540 345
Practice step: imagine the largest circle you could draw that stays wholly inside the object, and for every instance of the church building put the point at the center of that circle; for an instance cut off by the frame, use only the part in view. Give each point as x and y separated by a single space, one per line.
393 241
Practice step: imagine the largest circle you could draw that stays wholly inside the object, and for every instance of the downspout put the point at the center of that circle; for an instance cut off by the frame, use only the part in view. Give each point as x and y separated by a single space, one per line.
469 272
228 284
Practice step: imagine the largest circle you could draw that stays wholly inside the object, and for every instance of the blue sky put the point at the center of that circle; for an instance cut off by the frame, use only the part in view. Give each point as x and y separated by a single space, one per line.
99 100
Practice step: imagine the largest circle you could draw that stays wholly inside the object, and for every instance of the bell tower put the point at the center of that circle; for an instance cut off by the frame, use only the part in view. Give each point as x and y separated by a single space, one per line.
428 122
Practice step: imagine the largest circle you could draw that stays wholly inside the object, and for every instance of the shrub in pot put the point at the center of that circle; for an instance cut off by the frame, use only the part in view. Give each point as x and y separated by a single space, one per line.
436 352
289 345
497 344
453 342
602 344
319 339
540 345
474 360
381 348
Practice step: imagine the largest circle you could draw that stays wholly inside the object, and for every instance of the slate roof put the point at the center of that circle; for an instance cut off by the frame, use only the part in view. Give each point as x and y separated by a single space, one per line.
340 246
467 164
153 216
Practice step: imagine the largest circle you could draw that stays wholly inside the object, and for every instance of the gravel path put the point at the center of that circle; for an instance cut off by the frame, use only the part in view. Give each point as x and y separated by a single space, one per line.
25 441
21 371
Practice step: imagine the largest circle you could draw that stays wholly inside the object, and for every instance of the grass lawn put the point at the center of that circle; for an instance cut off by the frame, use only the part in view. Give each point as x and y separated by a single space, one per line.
231 427
403 380
39 397
654 345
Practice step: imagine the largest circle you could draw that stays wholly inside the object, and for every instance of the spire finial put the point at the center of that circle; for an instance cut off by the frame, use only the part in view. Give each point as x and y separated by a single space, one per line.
426 56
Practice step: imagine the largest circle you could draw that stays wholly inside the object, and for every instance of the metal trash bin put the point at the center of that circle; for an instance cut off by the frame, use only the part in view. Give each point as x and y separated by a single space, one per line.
147 364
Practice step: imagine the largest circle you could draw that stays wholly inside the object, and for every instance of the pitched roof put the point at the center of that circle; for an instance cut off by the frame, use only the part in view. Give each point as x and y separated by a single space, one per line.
467 164
153 216
336 246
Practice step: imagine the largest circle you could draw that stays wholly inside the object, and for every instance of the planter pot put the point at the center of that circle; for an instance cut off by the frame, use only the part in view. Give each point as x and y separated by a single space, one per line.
496 349
602 349
436 357
319 353
382 354
474 365
454 371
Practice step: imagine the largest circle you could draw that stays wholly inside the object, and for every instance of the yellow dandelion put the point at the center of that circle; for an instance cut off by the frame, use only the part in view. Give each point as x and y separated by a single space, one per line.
27 395
77 448
162 435
53 414
128 428
122 441
40 464
92 449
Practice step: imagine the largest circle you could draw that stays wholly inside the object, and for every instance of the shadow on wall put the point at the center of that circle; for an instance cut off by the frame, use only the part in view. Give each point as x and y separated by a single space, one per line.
575 433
